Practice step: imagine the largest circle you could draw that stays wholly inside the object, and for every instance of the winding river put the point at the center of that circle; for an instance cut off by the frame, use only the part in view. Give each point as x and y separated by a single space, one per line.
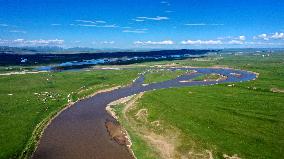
79 132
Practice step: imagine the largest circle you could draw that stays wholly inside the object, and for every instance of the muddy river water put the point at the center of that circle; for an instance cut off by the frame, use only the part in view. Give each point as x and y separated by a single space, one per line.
79 132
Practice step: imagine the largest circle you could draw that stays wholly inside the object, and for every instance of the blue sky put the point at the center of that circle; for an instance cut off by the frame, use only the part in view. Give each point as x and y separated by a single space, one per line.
143 23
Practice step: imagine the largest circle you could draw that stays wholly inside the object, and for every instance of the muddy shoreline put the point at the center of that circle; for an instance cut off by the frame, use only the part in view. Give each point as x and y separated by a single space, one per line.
82 130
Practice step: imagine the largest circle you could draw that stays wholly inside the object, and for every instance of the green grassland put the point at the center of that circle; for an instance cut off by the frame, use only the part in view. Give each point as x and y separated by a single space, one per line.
28 101
156 76
140 148
246 118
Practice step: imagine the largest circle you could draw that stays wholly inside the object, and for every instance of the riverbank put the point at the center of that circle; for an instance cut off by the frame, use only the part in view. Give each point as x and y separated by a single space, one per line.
28 101
37 133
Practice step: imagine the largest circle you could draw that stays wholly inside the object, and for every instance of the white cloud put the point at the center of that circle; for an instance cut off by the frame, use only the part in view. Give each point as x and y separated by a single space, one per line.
201 42
40 42
76 41
144 29
87 25
91 21
196 24
55 24
19 40
242 38
165 2
236 42
107 42
126 27
157 18
165 42
86 21
94 23
98 26
133 31
277 36
44 42
224 38
108 26
262 36
202 24
18 31
139 20
138 31
100 21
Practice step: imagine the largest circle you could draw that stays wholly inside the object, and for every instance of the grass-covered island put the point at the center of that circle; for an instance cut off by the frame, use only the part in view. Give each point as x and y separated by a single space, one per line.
154 76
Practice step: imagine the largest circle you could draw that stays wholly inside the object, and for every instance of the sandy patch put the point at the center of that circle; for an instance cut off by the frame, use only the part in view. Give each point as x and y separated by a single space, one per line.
235 156
109 108
277 90
166 149
166 65
20 73
142 114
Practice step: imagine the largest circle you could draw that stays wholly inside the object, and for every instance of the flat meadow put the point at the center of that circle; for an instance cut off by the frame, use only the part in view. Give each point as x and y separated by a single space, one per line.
244 120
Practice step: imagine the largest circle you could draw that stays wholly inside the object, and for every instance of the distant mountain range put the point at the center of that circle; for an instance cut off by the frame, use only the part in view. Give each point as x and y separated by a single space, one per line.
76 50
60 50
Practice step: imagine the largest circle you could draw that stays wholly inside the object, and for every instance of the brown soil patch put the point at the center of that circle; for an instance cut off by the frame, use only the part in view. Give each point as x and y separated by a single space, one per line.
117 133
